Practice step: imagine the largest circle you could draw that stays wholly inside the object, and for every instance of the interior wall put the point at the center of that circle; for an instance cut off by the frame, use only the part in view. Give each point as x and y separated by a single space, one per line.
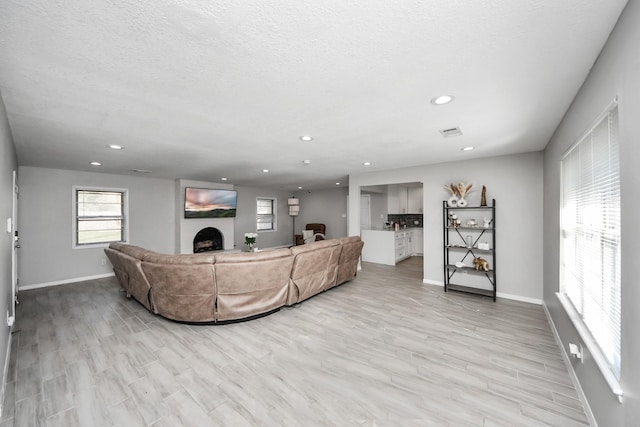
45 217
246 220
615 73
327 207
8 164
515 182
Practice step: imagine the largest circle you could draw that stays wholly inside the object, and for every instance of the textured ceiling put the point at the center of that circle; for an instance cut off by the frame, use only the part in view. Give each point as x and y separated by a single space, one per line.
199 89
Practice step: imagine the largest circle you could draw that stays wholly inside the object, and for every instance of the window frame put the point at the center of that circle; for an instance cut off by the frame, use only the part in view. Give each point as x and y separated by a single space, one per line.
75 218
274 215
575 316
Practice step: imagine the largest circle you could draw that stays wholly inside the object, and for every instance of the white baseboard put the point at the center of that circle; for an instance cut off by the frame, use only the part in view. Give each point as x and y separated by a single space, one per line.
572 373
499 294
5 372
519 298
64 282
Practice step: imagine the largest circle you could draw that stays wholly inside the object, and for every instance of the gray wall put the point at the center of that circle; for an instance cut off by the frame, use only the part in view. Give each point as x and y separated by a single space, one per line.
379 207
8 164
514 181
616 73
325 207
47 256
245 222
46 222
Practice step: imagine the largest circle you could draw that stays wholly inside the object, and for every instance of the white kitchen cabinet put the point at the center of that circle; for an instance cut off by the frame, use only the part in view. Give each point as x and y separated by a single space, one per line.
394 204
414 200
404 200
402 241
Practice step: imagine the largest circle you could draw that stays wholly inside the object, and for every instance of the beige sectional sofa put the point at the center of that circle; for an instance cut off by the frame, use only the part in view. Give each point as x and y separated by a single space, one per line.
226 286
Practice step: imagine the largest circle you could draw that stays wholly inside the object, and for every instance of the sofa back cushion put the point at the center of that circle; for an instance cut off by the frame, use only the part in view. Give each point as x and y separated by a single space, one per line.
184 286
314 268
137 284
348 263
118 268
131 250
252 283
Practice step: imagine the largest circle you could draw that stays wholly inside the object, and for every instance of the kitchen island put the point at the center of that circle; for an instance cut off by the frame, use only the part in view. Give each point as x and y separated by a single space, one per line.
387 246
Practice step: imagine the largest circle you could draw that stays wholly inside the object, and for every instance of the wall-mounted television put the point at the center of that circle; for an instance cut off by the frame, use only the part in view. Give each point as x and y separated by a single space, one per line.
210 203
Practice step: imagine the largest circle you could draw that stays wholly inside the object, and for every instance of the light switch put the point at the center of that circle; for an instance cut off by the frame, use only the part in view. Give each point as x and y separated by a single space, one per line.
9 226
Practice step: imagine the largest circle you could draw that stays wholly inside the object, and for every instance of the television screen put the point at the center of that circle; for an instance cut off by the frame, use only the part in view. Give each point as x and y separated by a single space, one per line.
210 203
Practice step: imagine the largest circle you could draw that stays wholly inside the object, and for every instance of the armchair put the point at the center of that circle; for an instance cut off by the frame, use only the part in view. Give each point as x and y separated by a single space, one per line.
312 233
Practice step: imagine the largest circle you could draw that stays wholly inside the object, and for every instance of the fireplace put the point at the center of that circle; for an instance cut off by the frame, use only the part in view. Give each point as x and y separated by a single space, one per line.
208 239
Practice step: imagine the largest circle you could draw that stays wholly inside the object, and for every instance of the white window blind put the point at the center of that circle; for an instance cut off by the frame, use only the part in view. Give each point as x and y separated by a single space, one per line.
590 234
99 216
266 217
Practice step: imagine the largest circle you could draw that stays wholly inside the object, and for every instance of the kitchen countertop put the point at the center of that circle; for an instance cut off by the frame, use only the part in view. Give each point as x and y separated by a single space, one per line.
389 229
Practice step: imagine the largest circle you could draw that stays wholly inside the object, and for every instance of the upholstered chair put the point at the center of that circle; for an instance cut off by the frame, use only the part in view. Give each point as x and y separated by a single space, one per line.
319 230
312 233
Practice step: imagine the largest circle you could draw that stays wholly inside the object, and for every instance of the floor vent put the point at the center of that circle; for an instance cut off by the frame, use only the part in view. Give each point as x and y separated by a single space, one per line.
447 133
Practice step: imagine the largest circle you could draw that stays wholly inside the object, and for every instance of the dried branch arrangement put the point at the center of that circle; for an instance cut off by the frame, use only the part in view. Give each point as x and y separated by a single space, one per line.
459 190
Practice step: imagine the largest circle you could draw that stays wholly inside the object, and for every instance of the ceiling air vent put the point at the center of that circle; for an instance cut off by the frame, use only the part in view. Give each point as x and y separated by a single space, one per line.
447 133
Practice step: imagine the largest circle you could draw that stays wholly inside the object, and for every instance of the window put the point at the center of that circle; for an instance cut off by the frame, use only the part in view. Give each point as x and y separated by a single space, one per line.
266 213
590 238
99 216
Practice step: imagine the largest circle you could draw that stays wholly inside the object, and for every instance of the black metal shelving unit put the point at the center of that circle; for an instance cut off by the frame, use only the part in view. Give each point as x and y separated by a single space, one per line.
456 249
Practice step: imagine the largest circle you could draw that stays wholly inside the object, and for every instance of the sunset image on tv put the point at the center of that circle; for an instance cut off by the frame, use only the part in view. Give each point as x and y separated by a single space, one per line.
208 203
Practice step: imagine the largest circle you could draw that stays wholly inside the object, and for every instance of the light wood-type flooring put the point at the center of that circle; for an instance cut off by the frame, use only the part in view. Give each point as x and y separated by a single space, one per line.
382 350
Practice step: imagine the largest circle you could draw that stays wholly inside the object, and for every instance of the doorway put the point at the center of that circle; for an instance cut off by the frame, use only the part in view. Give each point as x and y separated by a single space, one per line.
390 204
13 229
365 212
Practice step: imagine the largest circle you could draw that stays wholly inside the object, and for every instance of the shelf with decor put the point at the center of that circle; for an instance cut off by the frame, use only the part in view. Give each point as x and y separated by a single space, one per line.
469 249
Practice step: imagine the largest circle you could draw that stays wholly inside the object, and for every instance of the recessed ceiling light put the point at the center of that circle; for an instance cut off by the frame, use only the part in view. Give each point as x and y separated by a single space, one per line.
265 170
306 162
366 164
116 146
337 183
306 138
223 178
441 100
96 164
140 170
468 148
299 188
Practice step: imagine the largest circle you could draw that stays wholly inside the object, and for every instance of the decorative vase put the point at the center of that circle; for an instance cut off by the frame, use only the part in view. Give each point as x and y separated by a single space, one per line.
250 247
462 203
453 201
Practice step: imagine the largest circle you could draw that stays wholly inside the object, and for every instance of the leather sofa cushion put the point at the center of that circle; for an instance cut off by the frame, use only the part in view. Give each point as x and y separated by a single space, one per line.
348 262
184 286
251 283
314 269
179 259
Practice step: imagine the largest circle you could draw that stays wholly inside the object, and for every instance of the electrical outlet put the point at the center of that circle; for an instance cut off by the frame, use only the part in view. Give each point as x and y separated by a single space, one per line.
576 351
10 319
